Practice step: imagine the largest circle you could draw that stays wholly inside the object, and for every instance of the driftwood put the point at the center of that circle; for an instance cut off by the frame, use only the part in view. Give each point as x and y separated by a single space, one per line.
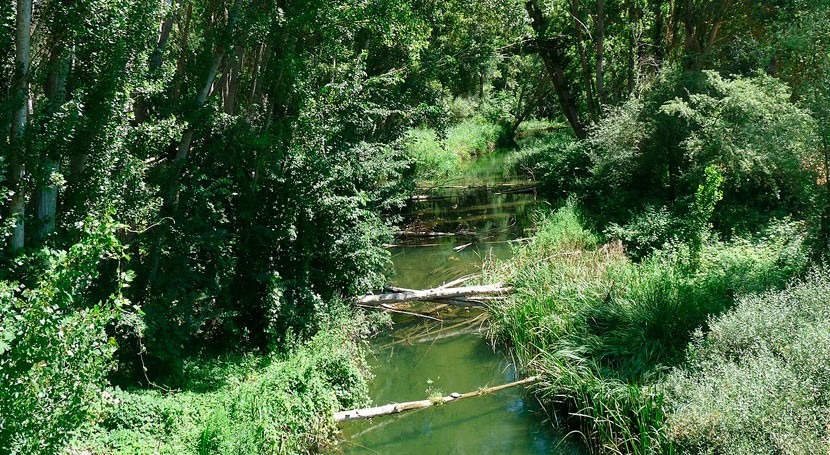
461 247
453 294
424 234
392 309
458 281
394 408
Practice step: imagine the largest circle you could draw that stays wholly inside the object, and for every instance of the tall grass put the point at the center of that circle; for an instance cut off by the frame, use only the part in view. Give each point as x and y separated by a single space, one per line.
435 159
432 161
603 331
473 137
261 405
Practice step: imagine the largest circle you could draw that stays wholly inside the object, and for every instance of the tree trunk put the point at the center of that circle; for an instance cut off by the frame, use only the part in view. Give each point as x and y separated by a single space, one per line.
20 98
141 109
395 408
230 101
658 35
55 91
180 62
583 61
171 197
635 46
171 193
603 95
553 59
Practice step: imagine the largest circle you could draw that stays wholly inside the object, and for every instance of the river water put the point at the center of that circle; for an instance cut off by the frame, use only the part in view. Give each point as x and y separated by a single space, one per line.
489 211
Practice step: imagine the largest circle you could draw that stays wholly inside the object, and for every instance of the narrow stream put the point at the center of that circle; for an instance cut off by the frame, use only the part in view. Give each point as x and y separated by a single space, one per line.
488 210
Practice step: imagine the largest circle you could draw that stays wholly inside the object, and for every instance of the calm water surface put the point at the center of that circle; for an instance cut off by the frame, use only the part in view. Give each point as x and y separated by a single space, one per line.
417 358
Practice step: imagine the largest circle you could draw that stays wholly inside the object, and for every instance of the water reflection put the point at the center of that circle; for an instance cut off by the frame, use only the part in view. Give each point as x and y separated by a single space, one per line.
484 211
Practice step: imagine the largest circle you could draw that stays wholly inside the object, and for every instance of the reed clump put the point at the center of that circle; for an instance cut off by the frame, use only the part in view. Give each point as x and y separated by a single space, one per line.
603 331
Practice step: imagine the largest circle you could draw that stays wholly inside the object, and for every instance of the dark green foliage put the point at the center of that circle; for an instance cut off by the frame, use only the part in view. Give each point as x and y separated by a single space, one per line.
655 229
655 153
273 405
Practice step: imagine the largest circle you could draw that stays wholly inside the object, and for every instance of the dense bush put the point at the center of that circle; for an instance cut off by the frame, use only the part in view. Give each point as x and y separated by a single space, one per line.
758 381
602 330
556 161
277 405
55 352
654 151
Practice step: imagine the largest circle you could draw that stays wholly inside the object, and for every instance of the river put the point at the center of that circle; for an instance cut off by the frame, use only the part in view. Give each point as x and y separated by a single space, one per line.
489 210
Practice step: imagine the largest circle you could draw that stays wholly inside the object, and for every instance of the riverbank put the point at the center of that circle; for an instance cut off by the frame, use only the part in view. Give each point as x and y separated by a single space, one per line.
605 332
249 404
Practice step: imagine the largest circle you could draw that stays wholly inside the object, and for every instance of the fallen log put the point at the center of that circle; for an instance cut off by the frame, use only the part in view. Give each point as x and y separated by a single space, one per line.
428 234
434 294
458 281
395 408
461 247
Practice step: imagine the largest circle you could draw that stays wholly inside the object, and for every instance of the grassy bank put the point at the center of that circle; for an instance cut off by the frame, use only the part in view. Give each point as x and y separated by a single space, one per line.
604 331
267 405
437 158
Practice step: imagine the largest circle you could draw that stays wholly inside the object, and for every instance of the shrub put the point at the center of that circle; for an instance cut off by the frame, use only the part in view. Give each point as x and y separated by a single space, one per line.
758 382
54 350
268 405
655 151
660 229
557 162
602 330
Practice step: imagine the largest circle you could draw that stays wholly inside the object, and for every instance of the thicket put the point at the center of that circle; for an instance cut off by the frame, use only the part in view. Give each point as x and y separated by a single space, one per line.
758 381
280 404
603 330
55 352
641 164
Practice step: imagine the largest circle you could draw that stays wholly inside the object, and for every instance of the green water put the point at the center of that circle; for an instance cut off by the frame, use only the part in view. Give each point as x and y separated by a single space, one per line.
418 358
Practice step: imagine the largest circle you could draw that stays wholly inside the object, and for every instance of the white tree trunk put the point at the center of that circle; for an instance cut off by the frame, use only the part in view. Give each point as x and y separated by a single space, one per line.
452 295
17 170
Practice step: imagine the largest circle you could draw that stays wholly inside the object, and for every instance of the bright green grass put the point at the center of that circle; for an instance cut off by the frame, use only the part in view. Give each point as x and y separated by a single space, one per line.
247 405
473 137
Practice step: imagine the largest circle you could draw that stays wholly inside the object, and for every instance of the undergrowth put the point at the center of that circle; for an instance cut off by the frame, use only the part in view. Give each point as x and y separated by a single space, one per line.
759 381
603 331
435 158
265 405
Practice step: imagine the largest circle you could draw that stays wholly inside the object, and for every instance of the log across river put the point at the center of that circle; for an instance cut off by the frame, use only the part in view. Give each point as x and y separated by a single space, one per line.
396 408
445 356
455 296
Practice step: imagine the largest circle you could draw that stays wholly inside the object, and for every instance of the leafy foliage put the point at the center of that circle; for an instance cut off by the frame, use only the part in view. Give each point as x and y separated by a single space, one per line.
250 404
54 350
656 151
603 330
757 381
